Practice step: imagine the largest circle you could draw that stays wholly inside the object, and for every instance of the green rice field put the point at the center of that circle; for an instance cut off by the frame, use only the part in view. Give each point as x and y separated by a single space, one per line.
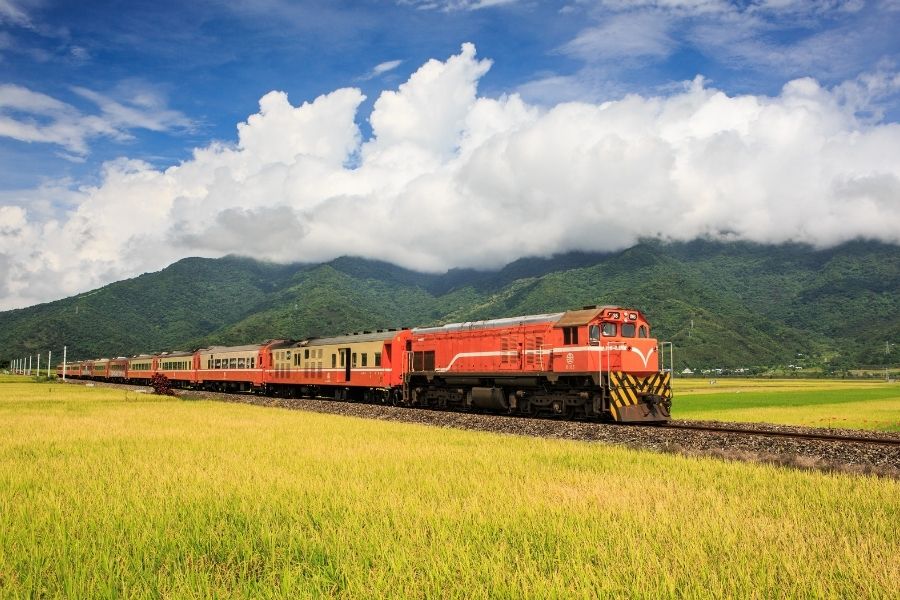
871 405
106 493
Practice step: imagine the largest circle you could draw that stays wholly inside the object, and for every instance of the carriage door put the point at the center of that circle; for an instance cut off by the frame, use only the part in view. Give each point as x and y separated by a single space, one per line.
345 360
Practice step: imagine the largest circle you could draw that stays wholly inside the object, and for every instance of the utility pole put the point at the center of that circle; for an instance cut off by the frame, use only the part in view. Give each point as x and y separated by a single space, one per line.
887 351
64 363
29 364
49 362
38 370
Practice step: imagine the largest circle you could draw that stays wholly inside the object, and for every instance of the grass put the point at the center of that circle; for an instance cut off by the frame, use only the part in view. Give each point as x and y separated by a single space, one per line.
817 403
107 493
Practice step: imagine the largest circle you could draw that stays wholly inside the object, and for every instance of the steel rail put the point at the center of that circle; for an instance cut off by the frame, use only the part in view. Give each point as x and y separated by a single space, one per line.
780 434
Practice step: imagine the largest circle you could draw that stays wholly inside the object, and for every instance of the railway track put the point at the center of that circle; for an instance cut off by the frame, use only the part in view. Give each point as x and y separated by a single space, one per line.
797 435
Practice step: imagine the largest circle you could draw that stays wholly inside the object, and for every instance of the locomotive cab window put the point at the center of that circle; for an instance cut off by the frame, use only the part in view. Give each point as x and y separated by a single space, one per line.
627 329
570 336
609 329
642 331
594 335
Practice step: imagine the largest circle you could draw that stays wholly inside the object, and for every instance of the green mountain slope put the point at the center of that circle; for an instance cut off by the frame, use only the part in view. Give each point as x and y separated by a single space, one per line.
723 305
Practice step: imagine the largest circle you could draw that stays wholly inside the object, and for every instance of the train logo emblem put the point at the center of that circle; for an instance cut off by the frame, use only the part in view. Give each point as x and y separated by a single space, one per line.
570 359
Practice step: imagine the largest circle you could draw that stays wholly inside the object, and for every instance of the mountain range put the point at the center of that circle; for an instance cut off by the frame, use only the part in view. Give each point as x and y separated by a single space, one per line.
721 304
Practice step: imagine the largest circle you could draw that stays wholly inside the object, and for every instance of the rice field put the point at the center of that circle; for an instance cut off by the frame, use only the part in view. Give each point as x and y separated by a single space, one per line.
108 493
873 405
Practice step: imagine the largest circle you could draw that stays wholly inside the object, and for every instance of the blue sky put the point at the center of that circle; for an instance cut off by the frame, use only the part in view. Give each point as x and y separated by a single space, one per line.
96 98
209 62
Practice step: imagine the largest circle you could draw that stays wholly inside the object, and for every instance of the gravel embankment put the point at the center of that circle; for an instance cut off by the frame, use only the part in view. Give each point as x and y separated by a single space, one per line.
799 453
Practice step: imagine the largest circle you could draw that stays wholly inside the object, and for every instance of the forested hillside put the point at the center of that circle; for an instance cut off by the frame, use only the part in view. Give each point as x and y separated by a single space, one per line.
724 305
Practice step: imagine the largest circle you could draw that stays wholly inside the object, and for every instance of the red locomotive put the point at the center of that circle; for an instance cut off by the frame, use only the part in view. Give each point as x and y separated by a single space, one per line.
597 362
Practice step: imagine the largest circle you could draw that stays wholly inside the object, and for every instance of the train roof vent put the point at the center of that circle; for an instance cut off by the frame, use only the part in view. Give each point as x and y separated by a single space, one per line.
589 307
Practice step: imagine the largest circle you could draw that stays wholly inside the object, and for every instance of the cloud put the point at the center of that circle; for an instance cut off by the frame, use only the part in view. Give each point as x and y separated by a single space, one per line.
13 12
454 5
30 116
623 35
831 39
381 69
450 178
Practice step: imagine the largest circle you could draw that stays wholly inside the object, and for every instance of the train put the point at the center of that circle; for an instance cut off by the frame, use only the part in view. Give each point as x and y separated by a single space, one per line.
596 362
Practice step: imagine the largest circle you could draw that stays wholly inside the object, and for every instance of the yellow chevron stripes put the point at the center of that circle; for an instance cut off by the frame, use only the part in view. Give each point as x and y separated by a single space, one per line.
626 389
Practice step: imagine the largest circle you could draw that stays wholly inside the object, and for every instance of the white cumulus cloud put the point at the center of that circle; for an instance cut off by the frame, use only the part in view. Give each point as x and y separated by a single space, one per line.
450 178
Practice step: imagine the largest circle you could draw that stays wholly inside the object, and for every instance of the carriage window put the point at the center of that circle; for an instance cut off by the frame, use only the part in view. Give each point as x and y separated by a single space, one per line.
333 361
628 329
609 329
378 359
365 359
570 336
342 357
353 360
642 332
242 362
306 353
594 335
232 363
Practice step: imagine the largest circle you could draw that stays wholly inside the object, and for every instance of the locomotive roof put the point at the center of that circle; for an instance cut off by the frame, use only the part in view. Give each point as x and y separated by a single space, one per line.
490 323
575 318
372 336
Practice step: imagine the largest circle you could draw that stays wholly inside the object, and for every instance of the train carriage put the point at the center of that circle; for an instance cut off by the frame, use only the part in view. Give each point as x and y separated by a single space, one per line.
140 368
72 369
236 368
118 369
178 367
361 366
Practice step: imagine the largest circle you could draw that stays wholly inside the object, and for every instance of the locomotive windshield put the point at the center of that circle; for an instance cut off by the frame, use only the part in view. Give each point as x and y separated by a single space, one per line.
609 329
